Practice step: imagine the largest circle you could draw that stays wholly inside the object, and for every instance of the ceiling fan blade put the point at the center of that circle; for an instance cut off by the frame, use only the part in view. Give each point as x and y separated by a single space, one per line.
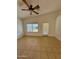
35 12
36 7
25 9
26 3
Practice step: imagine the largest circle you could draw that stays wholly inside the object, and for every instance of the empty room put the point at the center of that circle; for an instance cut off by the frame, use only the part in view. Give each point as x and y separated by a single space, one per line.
38 29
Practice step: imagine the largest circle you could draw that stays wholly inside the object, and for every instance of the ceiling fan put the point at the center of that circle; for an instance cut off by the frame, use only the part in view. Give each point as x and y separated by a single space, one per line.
31 8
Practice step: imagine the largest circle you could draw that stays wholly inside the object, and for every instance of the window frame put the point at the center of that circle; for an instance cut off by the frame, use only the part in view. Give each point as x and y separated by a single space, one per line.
32 28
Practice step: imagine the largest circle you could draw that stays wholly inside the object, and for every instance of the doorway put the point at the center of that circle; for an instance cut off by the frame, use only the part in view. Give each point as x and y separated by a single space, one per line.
45 29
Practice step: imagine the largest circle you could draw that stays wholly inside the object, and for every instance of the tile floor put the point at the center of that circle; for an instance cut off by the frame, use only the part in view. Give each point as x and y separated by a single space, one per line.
38 48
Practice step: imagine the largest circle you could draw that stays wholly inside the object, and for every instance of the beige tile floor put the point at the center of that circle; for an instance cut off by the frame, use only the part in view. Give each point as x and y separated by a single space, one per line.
38 48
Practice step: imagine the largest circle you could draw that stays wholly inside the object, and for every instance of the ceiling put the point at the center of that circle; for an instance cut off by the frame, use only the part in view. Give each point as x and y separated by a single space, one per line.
46 6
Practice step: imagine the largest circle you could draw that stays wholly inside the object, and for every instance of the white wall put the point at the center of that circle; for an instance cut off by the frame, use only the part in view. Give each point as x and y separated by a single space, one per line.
50 18
58 28
19 29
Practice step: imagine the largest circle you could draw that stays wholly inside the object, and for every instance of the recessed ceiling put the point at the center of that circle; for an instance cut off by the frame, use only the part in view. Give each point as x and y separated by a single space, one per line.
45 7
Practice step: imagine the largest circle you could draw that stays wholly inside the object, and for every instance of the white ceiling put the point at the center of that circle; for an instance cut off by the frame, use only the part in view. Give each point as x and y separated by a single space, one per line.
45 7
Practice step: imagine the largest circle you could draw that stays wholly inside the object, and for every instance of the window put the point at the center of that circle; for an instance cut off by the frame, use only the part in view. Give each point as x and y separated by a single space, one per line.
32 27
29 27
